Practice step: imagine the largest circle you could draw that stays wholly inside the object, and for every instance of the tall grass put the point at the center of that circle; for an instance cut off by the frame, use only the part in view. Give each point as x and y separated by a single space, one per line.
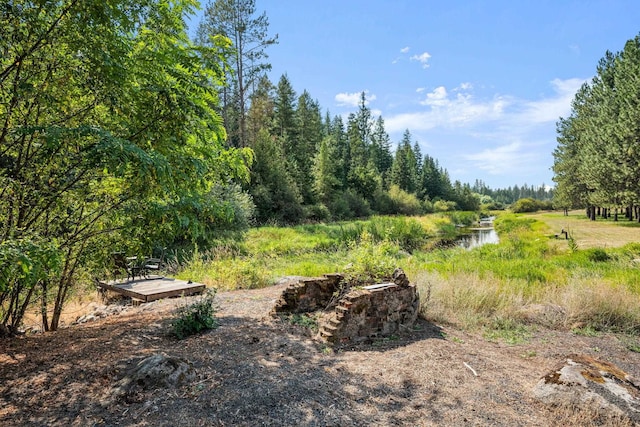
361 248
523 280
526 280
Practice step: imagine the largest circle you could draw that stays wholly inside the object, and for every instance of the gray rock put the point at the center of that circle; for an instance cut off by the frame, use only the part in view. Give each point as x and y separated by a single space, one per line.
156 371
400 278
582 381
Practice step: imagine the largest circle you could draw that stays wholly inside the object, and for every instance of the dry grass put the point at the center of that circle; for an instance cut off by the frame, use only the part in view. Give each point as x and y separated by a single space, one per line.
591 234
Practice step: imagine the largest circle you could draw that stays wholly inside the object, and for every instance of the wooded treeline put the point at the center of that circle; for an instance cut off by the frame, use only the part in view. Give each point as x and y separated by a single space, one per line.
310 165
597 160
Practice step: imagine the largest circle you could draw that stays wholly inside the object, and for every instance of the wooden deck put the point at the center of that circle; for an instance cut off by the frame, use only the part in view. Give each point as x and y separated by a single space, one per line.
152 289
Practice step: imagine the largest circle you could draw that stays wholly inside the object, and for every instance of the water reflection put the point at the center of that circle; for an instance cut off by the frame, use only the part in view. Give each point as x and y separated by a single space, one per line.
478 237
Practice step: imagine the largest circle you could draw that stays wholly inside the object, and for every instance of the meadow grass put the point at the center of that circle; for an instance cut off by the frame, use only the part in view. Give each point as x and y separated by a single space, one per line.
504 289
524 278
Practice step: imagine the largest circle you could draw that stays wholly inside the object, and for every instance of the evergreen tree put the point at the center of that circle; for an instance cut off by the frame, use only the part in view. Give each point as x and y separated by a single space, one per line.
274 191
343 152
237 20
308 135
381 151
326 182
404 172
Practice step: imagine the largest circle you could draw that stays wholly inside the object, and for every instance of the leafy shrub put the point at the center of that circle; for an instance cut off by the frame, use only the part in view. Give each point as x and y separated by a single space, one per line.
444 206
318 212
371 261
196 317
465 218
348 205
408 233
404 203
597 255
530 205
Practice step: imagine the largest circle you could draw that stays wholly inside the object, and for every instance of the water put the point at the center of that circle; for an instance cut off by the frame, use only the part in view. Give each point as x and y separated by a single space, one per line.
478 237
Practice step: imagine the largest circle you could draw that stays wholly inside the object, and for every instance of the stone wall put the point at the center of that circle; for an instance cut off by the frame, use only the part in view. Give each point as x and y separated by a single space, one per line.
373 311
362 313
307 294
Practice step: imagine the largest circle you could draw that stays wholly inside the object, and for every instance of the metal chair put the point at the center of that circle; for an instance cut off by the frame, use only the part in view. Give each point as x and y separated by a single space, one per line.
127 264
153 264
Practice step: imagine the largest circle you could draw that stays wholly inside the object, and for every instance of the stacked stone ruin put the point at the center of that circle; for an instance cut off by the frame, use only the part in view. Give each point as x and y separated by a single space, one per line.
358 314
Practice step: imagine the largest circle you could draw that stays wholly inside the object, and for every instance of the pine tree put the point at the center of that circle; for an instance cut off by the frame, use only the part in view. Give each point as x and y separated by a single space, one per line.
381 151
237 20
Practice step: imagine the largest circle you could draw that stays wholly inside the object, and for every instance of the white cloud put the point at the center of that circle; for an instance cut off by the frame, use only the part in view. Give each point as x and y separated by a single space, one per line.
423 58
437 98
353 99
404 49
443 110
503 159
552 108
459 108
508 138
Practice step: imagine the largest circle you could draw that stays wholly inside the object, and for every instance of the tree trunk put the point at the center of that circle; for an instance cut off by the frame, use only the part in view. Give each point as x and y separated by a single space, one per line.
43 306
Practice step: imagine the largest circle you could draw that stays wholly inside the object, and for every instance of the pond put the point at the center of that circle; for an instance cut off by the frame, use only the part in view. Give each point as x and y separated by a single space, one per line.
478 237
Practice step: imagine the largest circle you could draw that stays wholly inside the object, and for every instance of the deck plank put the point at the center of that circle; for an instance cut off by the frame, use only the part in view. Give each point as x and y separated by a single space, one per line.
148 290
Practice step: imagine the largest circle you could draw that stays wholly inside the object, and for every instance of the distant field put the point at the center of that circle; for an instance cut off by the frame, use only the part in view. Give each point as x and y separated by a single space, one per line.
591 234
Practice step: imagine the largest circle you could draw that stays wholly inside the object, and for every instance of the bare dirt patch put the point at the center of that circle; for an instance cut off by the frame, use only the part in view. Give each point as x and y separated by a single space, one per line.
254 370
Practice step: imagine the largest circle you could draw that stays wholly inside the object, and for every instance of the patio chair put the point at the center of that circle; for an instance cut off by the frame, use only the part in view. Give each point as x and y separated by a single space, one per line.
122 263
153 265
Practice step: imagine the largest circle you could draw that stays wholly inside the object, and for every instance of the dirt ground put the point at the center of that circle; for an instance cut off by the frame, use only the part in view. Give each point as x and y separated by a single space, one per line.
257 371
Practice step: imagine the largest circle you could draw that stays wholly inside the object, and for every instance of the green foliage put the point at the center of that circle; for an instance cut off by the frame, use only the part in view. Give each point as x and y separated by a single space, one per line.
444 206
507 330
506 224
464 218
370 261
349 205
109 134
596 161
587 331
597 255
530 205
403 203
304 320
195 317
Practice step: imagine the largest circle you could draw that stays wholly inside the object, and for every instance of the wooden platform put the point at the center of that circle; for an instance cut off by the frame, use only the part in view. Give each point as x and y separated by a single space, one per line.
152 289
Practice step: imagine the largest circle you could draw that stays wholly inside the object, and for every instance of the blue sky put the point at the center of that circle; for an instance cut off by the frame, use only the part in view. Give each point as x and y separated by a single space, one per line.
479 84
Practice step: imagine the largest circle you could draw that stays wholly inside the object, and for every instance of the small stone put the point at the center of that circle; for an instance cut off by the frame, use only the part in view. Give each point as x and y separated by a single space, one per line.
400 278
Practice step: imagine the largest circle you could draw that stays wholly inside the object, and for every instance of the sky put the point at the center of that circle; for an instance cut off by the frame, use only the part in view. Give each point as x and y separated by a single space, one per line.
479 85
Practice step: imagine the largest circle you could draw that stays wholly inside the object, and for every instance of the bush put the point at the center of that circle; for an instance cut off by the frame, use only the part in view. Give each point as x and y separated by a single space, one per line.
530 205
404 203
318 212
408 233
370 261
349 205
196 317
444 206
464 218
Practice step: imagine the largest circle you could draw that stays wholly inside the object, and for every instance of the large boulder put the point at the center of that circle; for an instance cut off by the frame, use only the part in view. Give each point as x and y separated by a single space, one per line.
156 371
595 385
